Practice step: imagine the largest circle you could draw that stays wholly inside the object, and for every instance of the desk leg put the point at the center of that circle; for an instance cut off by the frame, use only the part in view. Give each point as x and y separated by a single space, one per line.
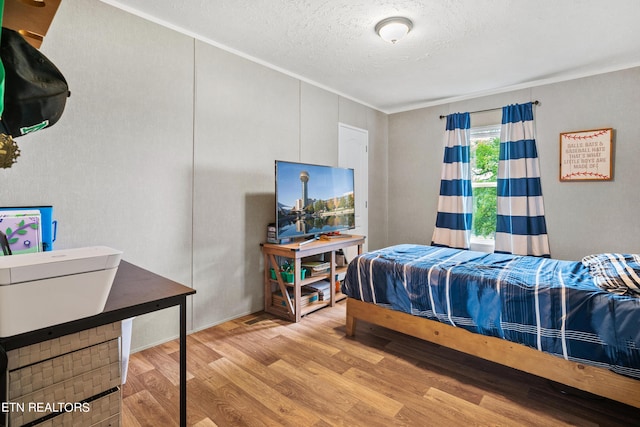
183 362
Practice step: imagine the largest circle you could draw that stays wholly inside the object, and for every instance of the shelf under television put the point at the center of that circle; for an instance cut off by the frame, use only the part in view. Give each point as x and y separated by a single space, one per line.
295 253
309 308
313 279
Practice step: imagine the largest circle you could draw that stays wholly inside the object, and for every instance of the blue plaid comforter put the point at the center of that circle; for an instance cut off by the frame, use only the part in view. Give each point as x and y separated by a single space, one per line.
551 305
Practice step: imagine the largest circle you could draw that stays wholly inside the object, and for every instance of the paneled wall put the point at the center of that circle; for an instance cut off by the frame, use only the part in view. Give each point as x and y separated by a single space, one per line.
166 151
118 165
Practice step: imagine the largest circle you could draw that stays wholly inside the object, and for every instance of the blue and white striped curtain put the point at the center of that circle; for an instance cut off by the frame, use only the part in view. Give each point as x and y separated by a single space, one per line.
455 204
521 228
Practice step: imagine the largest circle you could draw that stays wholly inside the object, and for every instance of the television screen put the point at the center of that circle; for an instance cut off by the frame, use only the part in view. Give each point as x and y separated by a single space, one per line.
313 199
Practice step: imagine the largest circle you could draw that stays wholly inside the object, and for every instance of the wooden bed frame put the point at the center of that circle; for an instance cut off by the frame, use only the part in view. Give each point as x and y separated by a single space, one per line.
598 381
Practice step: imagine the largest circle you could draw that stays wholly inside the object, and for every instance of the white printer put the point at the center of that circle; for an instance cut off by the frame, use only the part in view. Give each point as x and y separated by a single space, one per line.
42 289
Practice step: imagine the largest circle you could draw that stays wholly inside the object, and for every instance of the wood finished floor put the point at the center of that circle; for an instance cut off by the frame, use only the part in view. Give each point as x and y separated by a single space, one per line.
262 371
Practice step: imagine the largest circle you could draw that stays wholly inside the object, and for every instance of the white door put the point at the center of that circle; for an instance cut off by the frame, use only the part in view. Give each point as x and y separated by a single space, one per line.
353 145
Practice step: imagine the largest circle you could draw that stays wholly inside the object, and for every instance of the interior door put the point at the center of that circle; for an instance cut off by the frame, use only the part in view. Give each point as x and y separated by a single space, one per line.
353 145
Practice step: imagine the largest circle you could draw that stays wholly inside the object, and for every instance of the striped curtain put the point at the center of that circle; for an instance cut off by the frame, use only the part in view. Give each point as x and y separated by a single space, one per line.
521 228
455 204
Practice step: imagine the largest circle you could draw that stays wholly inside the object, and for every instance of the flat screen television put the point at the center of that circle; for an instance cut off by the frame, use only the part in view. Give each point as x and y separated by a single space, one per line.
313 199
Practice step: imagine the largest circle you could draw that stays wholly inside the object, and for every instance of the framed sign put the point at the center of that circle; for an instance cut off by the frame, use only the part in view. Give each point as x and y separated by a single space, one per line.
586 155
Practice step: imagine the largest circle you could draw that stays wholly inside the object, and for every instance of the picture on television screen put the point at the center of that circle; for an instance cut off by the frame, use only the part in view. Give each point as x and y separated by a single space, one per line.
313 199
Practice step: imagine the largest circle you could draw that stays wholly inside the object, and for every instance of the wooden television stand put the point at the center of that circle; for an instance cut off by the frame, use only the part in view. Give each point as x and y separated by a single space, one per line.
292 307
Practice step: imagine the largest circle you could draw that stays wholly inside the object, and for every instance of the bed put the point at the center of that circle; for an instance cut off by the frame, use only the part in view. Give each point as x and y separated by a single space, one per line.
560 320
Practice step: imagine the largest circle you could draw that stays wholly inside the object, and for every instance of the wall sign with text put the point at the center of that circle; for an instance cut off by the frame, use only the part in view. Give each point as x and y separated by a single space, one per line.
586 155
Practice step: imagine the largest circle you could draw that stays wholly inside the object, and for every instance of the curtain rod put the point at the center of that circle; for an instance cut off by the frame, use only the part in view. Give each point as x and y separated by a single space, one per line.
489 109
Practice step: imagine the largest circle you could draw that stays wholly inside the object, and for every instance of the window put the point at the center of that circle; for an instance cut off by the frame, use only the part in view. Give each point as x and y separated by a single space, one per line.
484 158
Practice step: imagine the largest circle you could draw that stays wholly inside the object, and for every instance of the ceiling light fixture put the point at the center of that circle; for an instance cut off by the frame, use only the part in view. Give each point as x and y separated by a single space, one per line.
393 29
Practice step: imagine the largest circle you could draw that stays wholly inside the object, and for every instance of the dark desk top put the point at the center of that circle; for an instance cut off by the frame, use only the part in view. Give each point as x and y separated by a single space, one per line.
134 286
135 291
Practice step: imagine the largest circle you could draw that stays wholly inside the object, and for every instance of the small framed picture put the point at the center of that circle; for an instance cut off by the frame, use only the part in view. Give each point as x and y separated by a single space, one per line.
586 155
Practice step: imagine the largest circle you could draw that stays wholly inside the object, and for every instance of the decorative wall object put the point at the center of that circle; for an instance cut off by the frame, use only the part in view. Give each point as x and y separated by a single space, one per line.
586 155
23 230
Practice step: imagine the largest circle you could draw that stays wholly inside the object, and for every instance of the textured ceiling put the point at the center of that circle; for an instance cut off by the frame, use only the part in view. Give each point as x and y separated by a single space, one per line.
457 49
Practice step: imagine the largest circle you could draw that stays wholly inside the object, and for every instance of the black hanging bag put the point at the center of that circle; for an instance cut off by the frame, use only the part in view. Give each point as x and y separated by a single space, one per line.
35 91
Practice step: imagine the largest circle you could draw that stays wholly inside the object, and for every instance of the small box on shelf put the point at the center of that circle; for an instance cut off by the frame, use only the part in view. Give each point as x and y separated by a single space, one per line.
323 288
271 234
288 276
307 297
316 268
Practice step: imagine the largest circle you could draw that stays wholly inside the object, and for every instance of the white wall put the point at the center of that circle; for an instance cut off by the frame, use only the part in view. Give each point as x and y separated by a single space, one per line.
582 217
240 128
166 151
